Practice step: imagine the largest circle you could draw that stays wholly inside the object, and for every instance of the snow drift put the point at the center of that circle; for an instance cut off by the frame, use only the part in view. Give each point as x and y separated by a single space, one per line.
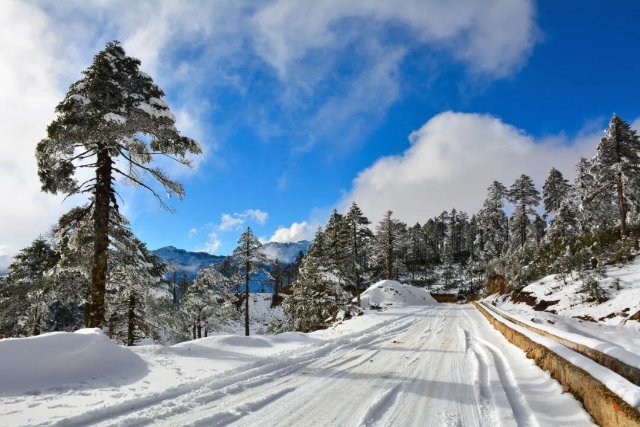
60 359
390 292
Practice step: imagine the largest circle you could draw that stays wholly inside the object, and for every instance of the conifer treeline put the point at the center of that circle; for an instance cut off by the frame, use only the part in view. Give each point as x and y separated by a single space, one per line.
581 224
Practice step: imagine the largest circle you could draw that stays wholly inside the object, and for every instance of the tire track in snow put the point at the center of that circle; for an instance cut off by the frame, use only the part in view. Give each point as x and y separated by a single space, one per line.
523 416
239 380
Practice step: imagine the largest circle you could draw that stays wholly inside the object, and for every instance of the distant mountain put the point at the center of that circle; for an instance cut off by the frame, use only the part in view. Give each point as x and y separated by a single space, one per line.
285 252
186 262
189 263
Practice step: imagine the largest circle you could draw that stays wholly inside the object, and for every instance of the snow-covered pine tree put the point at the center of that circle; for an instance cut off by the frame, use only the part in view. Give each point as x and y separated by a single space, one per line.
210 302
277 275
25 293
318 295
565 222
617 165
416 251
595 209
138 302
250 260
525 197
336 246
311 303
387 243
492 222
359 238
114 122
556 190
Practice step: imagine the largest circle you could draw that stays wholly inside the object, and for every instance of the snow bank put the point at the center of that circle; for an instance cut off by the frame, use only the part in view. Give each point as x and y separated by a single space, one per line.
391 292
629 392
620 284
59 359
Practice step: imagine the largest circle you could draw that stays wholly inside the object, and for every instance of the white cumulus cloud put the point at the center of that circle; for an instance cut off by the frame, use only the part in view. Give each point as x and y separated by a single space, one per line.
452 160
212 245
294 233
229 222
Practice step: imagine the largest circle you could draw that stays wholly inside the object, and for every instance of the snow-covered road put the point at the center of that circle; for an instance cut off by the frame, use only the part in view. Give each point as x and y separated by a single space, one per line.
440 365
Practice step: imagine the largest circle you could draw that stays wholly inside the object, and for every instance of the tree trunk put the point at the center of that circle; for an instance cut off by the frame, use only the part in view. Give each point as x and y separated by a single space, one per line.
131 320
199 330
355 261
523 227
94 312
390 253
621 206
246 299
36 323
193 330
175 284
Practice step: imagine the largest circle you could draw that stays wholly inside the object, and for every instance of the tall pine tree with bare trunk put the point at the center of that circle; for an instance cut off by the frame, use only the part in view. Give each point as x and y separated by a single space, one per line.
250 260
114 122
359 234
617 164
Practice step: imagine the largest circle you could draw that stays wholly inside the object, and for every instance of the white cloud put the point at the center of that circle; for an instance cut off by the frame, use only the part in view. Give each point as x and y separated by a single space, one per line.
493 37
212 244
257 215
193 232
29 70
452 160
45 45
294 233
230 222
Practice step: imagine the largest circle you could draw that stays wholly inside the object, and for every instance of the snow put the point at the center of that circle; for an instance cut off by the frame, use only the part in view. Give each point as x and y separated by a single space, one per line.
390 292
628 391
571 302
80 98
113 117
591 336
156 108
415 362
58 359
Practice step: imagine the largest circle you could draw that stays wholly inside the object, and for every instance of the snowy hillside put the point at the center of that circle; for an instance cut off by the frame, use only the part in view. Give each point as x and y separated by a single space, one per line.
621 297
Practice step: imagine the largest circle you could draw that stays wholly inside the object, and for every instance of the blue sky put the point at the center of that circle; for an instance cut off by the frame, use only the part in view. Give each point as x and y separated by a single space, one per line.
305 107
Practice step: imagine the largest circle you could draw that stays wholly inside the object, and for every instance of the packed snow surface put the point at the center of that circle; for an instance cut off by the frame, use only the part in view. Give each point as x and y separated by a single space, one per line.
426 364
392 293
59 359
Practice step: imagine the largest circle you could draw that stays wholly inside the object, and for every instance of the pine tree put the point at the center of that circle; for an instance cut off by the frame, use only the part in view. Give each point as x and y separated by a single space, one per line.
617 165
250 260
277 274
336 244
595 209
25 293
311 304
358 237
318 295
209 303
492 222
565 222
387 244
525 197
416 250
114 122
555 191
137 299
